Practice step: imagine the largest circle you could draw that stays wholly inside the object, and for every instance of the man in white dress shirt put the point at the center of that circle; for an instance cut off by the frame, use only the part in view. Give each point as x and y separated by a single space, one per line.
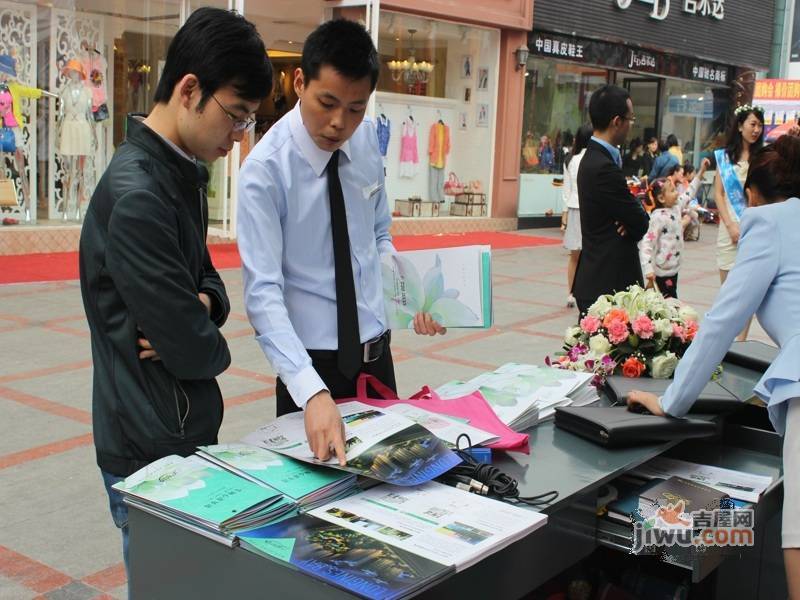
313 220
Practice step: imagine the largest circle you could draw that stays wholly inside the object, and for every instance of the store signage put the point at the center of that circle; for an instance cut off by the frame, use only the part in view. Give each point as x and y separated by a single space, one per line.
618 56
705 73
660 10
554 47
642 61
778 89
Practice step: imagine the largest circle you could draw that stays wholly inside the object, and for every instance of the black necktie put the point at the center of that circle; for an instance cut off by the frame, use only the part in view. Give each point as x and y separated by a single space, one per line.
349 355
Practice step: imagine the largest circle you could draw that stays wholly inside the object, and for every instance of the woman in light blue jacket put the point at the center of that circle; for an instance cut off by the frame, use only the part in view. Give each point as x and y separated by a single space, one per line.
765 281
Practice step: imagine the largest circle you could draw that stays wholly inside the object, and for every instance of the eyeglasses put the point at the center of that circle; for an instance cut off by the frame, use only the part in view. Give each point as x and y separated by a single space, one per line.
238 124
627 118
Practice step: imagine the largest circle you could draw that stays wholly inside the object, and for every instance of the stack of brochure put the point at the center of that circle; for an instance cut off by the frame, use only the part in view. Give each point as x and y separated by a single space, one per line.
379 444
454 285
739 485
199 496
390 541
524 395
307 485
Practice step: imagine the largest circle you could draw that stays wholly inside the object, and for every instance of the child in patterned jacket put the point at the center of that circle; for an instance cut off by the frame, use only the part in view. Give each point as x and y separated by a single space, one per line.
661 248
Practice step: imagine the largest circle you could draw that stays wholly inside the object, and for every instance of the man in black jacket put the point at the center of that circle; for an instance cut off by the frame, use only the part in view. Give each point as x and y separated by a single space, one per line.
152 297
612 220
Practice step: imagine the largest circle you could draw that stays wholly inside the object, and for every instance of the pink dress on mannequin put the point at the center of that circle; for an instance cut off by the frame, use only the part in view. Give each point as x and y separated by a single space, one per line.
409 156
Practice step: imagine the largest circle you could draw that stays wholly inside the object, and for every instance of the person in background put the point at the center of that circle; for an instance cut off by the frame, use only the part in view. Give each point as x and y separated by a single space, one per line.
661 247
153 300
649 156
546 156
663 164
745 137
632 163
674 147
612 220
765 280
571 217
688 190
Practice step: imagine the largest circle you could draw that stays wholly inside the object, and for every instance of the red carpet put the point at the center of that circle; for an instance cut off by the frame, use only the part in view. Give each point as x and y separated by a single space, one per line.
59 266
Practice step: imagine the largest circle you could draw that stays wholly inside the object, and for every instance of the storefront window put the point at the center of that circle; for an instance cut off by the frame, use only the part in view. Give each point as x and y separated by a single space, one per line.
697 115
556 105
435 107
71 75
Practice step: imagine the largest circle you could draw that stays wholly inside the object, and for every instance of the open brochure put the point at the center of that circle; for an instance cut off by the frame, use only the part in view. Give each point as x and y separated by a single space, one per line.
346 558
447 429
304 483
199 493
523 395
737 484
433 520
454 285
379 444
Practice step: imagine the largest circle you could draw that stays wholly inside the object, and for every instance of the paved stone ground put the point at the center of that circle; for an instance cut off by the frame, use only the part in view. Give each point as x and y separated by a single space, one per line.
57 539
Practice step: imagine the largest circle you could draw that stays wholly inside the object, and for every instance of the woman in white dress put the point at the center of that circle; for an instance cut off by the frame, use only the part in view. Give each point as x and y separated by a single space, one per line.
745 137
571 217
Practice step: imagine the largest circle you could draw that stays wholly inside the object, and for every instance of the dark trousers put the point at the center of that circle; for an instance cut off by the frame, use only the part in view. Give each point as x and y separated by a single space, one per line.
583 306
668 286
325 364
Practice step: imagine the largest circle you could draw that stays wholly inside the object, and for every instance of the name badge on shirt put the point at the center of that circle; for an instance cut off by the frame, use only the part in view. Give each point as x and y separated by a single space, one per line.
370 190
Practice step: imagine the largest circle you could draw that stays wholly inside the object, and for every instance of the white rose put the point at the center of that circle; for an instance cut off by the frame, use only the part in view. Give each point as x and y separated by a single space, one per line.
600 308
663 327
599 345
572 336
663 365
687 313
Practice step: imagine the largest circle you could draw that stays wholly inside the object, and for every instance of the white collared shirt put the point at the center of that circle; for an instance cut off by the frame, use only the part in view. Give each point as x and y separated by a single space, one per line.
286 246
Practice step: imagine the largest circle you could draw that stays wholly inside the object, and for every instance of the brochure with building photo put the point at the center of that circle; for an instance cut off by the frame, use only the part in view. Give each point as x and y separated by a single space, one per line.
302 482
454 285
378 444
345 557
433 520
447 429
737 484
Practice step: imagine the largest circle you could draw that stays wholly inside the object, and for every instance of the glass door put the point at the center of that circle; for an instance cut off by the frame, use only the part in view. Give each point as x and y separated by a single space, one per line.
645 94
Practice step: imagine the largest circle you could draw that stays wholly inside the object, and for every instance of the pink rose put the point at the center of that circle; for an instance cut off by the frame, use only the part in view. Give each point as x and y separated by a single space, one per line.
643 327
590 324
691 330
678 332
617 331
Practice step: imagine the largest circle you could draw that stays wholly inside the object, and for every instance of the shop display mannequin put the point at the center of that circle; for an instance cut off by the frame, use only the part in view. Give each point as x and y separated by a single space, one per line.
75 136
11 120
95 66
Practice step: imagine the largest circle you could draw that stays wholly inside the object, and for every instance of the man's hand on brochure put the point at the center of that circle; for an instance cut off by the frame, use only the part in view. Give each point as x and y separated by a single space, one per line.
324 427
425 325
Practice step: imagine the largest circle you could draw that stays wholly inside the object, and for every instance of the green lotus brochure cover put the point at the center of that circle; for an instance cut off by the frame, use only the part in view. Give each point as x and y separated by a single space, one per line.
302 482
379 444
196 490
346 558
454 285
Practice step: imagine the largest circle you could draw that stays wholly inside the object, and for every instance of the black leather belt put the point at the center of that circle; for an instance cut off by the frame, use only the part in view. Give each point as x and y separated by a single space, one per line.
371 350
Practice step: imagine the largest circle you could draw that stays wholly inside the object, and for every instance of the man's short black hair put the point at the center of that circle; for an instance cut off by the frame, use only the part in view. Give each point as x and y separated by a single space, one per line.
606 103
344 45
221 48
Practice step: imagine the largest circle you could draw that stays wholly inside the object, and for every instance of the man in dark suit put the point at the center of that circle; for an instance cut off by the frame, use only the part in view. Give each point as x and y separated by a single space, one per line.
612 220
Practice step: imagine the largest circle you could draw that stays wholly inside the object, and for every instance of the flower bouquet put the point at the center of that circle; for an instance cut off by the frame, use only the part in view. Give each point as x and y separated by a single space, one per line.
636 332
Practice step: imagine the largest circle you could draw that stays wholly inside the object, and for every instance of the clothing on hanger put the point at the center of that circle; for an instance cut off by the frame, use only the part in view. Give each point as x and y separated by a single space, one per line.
409 153
384 127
